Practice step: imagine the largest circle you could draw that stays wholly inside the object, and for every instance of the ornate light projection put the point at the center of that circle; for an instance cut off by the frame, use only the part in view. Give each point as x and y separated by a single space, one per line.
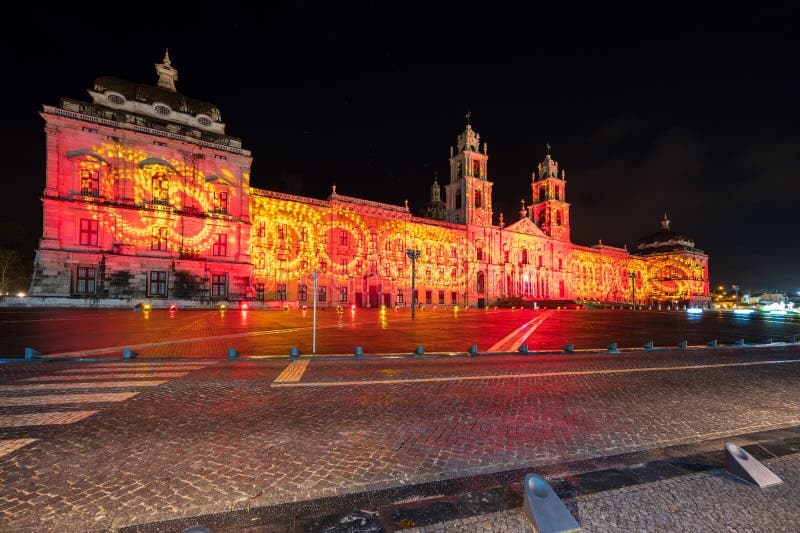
165 188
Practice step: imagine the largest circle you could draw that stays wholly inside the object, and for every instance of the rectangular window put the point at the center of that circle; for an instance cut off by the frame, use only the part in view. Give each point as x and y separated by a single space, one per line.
88 130
217 156
281 292
342 237
343 265
322 293
302 293
479 254
304 265
427 274
453 253
429 297
88 233
505 256
158 283
359 265
259 287
323 237
342 294
160 189
282 256
303 234
262 229
281 231
388 246
373 241
477 199
323 266
158 240
85 280
261 261
221 202
540 260
219 285
415 296
90 182
220 246
387 271
476 169
399 296
441 297
453 298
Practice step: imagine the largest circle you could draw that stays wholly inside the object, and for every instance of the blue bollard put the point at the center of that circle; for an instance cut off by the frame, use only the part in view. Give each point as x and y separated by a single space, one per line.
712 344
359 352
612 348
233 355
739 342
31 354
648 346
683 345
523 348
473 350
294 353
419 350
569 348
127 353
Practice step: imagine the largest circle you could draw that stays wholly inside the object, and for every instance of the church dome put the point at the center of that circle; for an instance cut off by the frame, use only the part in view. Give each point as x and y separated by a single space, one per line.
665 240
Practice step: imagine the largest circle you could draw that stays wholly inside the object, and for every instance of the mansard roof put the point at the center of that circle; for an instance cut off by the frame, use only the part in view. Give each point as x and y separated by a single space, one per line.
150 94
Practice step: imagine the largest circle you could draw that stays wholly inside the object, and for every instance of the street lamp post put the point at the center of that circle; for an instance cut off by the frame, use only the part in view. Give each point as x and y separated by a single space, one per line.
413 255
632 275
735 296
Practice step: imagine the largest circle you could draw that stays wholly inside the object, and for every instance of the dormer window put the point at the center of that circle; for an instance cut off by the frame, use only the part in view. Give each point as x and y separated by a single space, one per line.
162 109
116 99
204 120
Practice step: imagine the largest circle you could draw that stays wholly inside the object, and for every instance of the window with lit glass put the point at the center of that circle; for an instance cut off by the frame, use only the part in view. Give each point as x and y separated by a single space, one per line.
322 293
220 246
219 285
259 288
88 232
342 237
90 182
158 240
280 294
453 298
342 294
157 285
477 199
399 296
441 297
302 292
85 279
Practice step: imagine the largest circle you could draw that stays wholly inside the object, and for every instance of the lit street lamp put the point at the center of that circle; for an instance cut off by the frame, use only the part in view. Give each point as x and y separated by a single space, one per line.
632 275
736 295
413 255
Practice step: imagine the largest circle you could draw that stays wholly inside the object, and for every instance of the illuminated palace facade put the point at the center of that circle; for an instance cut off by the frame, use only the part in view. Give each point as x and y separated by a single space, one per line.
148 199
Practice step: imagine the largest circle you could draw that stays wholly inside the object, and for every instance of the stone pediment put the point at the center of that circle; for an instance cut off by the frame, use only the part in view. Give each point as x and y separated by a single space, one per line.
526 226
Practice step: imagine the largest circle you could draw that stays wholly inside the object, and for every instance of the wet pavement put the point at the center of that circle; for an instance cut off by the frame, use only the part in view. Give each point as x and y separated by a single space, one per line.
289 445
209 334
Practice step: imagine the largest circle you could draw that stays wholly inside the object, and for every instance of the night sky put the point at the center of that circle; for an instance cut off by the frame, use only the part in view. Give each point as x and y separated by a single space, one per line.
691 112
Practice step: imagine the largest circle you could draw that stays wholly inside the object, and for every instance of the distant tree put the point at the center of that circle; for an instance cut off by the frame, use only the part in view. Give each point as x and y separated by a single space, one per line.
13 274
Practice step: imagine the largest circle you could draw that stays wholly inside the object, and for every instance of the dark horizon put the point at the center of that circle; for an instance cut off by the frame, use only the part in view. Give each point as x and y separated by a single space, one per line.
668 115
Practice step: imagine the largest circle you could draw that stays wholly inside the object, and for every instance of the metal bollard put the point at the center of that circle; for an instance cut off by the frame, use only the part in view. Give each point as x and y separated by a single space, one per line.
294 353
523 348
473 350
612 348
359 351
569 348
233 355
739 342
31 354
127 353
712 344
683 345
648 346
419 350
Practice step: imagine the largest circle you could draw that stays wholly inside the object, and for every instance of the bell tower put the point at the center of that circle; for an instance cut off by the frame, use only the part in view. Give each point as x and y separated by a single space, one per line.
550 211
469 193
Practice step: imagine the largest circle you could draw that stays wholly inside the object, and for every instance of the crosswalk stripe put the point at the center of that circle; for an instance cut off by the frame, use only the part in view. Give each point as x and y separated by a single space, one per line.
293 372
73 377
9 445
96 370
59 399
47 418
81 385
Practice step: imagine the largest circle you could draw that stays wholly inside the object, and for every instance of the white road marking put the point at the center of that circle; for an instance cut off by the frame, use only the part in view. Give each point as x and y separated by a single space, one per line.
503 344
58 399
74 377
47 418
82 385
9 445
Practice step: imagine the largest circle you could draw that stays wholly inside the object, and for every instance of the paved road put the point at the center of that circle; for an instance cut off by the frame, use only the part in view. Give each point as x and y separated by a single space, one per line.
209 334
114 444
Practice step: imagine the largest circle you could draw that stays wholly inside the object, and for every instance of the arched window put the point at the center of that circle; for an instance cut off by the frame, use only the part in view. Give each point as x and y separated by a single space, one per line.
524 256
481 282
558 218
477 199
542 194
541 218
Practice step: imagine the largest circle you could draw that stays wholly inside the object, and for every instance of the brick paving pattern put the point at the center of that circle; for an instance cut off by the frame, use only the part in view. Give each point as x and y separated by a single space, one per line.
89 397
9 445
703 502
44 418
81 385
220 438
